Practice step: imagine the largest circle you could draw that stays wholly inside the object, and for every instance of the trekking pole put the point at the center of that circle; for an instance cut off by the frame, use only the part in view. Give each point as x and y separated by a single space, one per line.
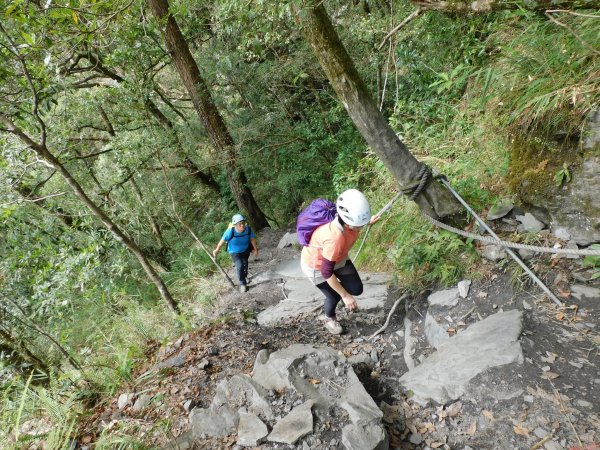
212 258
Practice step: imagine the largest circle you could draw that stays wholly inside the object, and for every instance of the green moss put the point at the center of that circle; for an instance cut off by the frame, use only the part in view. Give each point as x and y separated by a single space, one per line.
533 164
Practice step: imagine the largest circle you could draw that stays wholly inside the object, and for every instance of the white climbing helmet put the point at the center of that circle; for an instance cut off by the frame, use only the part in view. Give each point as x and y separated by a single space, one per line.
352 206
237 219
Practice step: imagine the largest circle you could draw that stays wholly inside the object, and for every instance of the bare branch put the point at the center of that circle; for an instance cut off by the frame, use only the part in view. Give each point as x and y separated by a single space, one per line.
397 28
585 44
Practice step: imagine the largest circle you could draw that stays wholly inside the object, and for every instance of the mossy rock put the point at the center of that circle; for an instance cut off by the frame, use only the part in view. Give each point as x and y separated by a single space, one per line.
571 199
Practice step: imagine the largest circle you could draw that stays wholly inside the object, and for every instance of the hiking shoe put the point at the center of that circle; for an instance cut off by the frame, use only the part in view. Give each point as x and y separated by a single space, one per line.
333 326
243 288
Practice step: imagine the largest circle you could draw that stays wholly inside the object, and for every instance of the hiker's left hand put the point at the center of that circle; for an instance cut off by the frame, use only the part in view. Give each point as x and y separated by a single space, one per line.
374 219
255 251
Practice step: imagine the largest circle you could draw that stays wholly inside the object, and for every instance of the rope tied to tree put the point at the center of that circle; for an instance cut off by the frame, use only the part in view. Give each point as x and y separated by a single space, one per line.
419 183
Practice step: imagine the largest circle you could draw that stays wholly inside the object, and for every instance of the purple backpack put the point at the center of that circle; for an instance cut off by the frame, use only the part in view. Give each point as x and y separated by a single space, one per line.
318 213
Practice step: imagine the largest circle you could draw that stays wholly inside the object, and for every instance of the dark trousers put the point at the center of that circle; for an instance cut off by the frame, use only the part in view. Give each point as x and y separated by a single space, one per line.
351 281
241 265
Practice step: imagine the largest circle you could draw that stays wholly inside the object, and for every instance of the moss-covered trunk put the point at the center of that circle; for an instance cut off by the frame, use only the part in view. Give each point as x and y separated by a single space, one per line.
209 114
317 29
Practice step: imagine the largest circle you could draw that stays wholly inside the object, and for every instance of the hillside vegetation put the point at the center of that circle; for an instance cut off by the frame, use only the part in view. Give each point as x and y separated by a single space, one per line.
93 84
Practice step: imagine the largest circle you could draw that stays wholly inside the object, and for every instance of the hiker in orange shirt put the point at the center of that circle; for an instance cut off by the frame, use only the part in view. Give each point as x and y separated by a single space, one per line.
325 260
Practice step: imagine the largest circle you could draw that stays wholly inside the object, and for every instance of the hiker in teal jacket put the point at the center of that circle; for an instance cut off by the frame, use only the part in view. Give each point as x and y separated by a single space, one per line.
240 241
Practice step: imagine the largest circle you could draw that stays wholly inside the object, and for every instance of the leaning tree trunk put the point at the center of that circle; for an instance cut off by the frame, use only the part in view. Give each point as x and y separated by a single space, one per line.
51 160
207 111
484 6
318 31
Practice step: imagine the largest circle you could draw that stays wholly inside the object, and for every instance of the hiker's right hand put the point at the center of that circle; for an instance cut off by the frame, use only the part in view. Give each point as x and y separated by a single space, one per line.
350 302
215 251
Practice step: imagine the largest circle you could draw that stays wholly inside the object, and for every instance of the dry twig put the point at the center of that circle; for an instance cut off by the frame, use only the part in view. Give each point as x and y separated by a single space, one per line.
385 325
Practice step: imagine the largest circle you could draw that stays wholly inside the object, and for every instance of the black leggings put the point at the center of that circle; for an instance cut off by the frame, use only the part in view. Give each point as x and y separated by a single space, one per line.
351 281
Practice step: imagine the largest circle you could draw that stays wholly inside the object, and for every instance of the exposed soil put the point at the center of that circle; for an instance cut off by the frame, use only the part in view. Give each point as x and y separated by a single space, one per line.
550 401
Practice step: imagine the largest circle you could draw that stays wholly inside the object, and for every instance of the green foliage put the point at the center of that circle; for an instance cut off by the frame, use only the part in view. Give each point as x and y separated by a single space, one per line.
448 94
35 413
420 256
593 261
544 77
562 174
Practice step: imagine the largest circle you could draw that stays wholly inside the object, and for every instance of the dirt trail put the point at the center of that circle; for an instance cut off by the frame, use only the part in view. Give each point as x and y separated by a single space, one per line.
550 401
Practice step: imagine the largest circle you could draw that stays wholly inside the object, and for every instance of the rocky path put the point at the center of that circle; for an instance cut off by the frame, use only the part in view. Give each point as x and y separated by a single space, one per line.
482 365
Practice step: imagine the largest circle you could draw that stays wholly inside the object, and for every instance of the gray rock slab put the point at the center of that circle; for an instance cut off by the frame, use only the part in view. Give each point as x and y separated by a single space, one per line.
267 275
360 437
184 441
575 206
297 424
251 430
278 369
436 333
362 409
444 376
373 297
290 269
288 240
303 297
285 309
447 297
206 422
579 291
242 391
529 224
294 367
301 290
374 278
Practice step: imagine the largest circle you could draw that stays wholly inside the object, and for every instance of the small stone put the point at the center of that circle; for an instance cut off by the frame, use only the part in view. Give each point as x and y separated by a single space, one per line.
562 233
527 306
529 224
584 403
540 432
495 306
415 438
123 400
463 288
374 355
500 210
553 445
203 364
142 401
528 398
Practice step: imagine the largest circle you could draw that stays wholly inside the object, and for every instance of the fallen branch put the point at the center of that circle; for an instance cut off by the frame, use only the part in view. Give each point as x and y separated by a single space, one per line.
467 314
541 443
385 325
400 25
564 411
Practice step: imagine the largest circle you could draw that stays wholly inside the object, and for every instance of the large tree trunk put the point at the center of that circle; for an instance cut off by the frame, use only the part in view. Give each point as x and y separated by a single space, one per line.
207 111
484 6
318 31
51 160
